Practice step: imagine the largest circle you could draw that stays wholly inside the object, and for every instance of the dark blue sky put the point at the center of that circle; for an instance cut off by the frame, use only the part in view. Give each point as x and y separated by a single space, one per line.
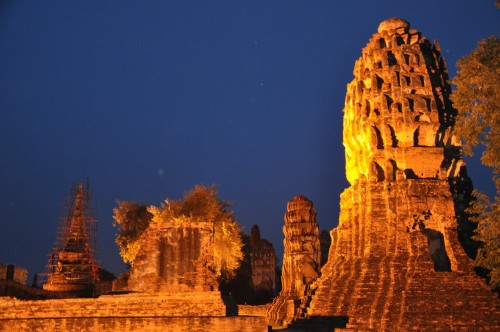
149 98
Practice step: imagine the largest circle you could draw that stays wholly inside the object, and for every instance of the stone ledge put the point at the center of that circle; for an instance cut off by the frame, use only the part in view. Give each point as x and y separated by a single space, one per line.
164 324
253 310
129 305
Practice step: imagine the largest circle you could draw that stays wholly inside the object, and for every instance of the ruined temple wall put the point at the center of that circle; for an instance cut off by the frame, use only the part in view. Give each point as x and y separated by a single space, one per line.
16 273
174 257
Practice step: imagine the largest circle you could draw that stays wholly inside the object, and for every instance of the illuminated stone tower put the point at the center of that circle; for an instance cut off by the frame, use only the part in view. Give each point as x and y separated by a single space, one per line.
301 261
72 267
397 259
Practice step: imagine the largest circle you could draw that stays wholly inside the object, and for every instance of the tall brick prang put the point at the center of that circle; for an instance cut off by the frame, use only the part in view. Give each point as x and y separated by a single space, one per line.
397 260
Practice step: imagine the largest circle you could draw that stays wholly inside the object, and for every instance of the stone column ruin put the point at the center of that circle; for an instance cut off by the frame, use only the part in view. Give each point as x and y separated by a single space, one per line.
301 261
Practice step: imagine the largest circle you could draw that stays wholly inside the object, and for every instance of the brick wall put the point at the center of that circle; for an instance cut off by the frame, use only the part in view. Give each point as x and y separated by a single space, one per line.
16 273
164 324
253 310
126 305
202 311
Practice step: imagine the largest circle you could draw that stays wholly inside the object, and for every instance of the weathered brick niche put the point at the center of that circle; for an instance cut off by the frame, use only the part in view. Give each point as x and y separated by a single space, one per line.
396 262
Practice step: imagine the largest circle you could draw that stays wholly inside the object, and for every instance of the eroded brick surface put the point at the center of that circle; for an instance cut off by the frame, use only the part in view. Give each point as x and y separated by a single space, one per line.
175 257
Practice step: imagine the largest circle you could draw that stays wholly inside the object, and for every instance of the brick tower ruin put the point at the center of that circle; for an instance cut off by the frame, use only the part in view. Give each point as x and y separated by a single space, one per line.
301 261
256 281
263 265
397 259
72 264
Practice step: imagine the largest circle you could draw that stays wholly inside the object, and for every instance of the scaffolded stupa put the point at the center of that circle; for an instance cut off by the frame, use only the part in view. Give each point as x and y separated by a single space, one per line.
72 267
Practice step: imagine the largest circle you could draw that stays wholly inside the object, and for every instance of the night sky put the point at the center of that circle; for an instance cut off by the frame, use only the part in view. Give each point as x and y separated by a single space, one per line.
149 98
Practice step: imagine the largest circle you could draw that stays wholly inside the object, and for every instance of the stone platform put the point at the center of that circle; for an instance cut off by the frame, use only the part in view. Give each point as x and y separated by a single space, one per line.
126 305
203 311
164 324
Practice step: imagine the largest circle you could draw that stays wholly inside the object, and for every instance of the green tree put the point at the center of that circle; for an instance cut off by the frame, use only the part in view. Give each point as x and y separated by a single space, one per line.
487 216
202 204
132 219
477 99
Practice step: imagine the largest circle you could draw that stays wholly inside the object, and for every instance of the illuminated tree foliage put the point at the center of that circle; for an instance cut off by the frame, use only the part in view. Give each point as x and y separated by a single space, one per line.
202 204
132 219
477 99
487 216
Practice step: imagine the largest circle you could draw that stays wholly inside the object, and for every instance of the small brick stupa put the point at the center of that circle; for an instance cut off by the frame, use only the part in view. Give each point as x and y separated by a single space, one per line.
397 260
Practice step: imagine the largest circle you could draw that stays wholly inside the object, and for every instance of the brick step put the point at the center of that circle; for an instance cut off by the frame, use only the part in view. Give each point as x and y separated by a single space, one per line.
130 305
